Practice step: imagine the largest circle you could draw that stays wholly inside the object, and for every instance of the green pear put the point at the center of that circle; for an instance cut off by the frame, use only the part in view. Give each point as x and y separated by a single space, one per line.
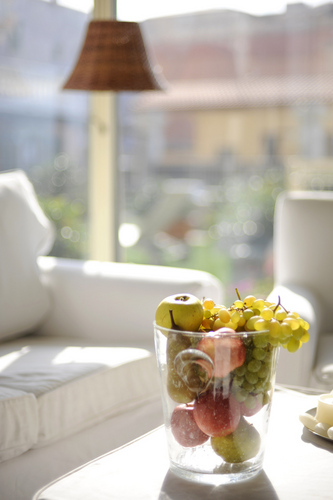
240 445
178 390
186 312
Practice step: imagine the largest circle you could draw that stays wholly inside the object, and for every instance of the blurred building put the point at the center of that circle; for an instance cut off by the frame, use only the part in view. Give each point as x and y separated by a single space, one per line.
244 91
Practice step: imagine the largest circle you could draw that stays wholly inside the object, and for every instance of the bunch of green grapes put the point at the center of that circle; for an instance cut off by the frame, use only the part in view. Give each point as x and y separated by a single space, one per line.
251 314
251 382
253 379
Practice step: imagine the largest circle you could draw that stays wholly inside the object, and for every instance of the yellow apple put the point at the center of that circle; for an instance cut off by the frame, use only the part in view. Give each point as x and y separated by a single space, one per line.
187 312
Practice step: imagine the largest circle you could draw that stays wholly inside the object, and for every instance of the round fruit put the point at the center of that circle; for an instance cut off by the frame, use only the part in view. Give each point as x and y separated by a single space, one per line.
178 390
215 414
187 312
226 350
240 445
251 405
184 428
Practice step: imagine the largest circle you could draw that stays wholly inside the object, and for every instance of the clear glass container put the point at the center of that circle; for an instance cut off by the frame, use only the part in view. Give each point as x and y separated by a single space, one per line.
217 393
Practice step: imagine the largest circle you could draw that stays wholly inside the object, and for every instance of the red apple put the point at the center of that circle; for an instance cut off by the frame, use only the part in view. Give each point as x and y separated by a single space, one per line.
215 414
226 350
184 428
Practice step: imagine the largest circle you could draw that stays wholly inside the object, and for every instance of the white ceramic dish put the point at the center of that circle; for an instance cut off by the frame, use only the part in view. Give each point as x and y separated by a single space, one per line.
313 412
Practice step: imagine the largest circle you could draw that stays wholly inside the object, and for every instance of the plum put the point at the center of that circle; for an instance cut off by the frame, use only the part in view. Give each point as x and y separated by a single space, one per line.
184 428
225 349
251 405
215 413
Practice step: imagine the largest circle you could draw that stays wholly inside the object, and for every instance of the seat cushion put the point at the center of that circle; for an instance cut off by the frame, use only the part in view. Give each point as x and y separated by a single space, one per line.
19 422
25 233
77 385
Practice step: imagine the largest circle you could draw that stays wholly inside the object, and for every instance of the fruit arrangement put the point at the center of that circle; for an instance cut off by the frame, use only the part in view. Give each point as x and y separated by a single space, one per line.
220 368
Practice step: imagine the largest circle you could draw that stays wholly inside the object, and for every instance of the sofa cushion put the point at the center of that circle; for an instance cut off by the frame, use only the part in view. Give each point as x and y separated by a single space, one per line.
19 422
324 363
25 233
77 385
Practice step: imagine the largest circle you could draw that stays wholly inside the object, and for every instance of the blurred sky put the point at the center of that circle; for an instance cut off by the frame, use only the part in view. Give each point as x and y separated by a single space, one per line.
139 10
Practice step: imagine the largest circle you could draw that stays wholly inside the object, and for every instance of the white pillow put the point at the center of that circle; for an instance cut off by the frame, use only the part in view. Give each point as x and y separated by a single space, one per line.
25 233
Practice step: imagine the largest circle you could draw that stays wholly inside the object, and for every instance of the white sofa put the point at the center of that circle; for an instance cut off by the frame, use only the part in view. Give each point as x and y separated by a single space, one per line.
303 274
78 374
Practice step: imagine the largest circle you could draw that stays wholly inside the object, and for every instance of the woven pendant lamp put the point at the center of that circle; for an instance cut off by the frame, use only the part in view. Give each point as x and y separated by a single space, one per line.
113 58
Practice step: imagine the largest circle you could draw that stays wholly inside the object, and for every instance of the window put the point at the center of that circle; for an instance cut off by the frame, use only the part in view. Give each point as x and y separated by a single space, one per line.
248 112
43 130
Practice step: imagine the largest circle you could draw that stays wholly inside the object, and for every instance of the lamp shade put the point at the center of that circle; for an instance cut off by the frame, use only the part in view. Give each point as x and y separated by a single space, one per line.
113 57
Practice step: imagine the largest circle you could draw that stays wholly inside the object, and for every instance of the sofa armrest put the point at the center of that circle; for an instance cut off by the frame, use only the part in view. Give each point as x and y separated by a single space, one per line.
114 302
296 369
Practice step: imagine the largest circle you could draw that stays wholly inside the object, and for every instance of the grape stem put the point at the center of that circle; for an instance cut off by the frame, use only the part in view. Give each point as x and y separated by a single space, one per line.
239 297
279 304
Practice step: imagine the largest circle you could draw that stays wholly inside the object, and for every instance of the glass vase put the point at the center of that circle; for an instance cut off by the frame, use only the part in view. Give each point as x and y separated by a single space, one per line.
217 392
